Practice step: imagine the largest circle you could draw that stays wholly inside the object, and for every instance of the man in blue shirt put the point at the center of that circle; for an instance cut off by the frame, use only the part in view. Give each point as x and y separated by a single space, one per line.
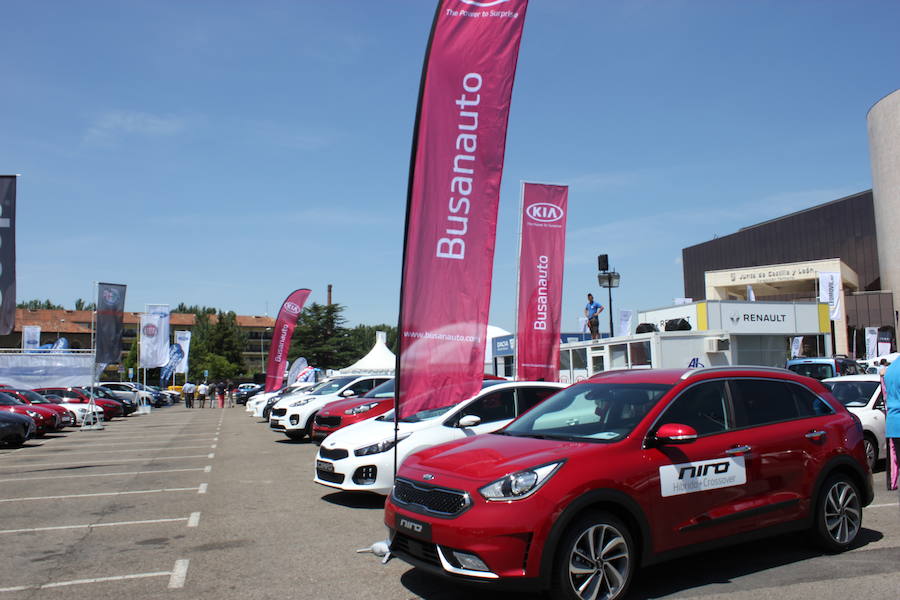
592 312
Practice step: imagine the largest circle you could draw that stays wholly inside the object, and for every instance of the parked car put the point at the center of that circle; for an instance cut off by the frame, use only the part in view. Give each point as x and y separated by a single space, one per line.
630 468
129 405
293 415
256 405
15 429
359 457
74 395
341 413
824 367
246 391
137 390
78 409
66 417
44 419
861 395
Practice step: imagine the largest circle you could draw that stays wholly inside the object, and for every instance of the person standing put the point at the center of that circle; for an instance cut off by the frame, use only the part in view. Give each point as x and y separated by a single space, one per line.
187 390
230 390
592 311
892 423
220 394
202 390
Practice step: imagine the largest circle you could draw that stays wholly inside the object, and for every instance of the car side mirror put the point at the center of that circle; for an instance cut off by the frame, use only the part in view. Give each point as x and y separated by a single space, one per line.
469 421
348 393
675 433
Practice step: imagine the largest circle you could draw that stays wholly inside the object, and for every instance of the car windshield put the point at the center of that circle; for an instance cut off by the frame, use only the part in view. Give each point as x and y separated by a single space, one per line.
853 393
385 390
596 412
33 397
7 400
815 370
332 386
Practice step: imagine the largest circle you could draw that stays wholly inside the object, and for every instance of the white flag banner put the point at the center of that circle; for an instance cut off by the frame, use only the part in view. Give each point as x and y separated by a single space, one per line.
680 301
183 339
871 342
155 336
583 324
796 346
830 292
751 297
31 337
626 321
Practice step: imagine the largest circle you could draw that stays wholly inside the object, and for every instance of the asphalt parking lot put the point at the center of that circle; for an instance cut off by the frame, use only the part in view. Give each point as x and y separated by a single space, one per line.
208 503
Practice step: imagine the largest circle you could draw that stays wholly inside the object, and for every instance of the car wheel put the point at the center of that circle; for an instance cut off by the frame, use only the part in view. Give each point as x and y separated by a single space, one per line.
596 559
295 435
838 516
309 426
267 412
871 448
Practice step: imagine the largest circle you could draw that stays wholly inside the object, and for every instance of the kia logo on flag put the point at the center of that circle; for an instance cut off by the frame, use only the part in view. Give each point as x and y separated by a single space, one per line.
150 330
292 308
483 4
544 212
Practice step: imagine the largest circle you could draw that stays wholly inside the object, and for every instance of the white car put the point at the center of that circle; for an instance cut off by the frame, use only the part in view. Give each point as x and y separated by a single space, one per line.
861 395
294 415
260 400
359 458
77 409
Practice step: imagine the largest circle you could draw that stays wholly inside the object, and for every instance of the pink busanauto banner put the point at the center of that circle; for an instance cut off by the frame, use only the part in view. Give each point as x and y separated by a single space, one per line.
281 337
542 251
454 192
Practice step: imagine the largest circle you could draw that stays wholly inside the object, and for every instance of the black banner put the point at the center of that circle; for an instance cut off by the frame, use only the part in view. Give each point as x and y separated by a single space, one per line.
7 253
110 307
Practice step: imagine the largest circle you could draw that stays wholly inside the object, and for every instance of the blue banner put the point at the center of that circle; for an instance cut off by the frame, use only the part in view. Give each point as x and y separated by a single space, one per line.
175 356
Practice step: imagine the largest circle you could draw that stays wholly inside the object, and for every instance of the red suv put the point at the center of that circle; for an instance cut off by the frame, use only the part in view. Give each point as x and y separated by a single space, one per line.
630 468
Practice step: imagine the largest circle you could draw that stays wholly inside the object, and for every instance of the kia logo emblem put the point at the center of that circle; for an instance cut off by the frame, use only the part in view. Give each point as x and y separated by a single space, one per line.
292 308
427 476
544 212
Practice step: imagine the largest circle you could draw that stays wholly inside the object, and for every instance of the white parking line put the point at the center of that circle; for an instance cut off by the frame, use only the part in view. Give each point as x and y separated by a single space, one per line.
205 469
156 449
92 580
894 504
133 444
211 455
159 491
202 488
115 460
179 574
191 519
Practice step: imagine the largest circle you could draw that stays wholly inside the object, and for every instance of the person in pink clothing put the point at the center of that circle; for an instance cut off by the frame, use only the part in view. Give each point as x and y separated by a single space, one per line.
220 394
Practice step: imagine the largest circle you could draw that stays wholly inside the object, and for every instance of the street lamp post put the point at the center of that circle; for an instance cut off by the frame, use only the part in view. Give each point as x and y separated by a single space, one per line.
609 280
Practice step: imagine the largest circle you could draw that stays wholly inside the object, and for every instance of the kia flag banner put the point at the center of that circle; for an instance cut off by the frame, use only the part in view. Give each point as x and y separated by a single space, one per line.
7 253
183 339
110 312
281 338
155 336
453 195
542 252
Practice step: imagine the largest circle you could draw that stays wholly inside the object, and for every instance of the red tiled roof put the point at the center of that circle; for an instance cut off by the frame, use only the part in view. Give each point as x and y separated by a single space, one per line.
79 321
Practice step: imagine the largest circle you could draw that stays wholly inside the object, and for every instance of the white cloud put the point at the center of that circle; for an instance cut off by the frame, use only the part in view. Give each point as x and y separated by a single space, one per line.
114 124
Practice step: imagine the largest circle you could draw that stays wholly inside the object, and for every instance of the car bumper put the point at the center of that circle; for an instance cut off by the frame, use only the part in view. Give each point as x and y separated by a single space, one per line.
372 473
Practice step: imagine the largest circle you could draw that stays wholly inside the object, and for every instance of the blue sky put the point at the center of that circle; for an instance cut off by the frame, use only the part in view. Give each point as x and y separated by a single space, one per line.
225 153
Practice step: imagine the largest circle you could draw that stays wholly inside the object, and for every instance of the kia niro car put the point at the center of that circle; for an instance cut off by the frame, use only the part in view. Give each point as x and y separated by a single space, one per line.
630 468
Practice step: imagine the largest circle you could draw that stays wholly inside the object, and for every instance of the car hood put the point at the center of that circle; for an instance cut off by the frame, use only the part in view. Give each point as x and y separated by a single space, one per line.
371 431
489 457
339 406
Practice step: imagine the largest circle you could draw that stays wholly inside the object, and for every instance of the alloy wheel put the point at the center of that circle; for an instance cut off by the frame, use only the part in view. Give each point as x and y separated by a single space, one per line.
599 563
843 514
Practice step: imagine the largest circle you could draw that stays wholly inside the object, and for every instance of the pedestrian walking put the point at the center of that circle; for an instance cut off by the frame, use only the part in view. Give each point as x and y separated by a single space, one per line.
592 311
187 392
892 423
202 391
220 394
232 392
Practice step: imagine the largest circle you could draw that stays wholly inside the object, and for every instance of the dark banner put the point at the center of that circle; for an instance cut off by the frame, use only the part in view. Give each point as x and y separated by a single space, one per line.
453 196
281 338
110 311
7 253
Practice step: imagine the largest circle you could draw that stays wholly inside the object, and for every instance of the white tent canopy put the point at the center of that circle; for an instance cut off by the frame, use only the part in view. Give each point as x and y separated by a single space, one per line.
379 361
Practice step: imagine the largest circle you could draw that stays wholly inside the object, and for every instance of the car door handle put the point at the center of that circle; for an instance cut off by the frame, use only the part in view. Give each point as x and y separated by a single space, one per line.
816 435
737 450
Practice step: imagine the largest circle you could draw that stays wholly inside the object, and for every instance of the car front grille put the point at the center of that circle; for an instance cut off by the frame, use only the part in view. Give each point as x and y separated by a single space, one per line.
334 453
438 501
330 476
424 551
328 421
279 412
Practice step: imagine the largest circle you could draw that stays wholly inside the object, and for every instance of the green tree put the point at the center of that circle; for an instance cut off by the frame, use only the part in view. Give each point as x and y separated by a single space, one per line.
130 361
362 338
82 304
40 305
320 337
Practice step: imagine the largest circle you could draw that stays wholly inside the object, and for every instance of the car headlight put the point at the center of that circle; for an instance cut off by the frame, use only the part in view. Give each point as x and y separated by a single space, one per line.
300 402
361 408
382 446
521 484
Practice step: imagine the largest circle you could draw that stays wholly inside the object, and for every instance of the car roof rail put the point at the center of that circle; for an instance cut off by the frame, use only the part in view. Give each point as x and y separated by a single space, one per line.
702 370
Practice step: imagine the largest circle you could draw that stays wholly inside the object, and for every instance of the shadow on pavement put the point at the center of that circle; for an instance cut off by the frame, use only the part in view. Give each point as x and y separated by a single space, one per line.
356 499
